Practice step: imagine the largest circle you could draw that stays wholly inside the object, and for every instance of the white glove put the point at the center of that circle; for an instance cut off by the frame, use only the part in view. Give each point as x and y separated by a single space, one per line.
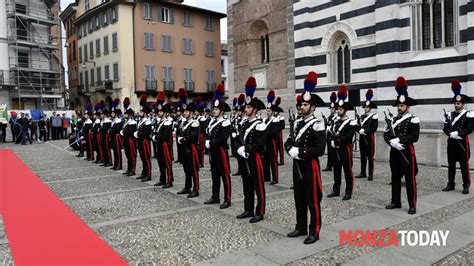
208 144
241 152
362 131
454 135
399 147
153 138
394 142
333 144
135 134
180 139
121 132
234 135
293 152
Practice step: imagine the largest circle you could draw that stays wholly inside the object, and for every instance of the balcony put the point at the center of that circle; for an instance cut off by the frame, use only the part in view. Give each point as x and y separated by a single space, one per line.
81 90
189 85
168 85
99 86
151 85
211 86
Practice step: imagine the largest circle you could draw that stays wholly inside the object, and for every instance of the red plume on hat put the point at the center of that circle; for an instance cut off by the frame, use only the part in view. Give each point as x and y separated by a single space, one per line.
160 98
241 99
401 86
369 95
271 96
342 92
143 100
278 101
126 103
456 87
220 90
333 97
250 87
115 103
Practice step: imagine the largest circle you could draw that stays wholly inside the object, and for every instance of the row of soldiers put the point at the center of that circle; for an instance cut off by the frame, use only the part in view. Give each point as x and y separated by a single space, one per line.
256 141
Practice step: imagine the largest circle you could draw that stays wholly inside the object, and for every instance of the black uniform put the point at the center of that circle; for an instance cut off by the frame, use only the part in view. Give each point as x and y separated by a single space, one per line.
143 138
129 144
344 129
203 124
281 150
253 134
116 141
162 136
234 122
42 129
217 133
330 136
369 123
96 138
407 129
188 134
271 149
459 149
89 142
310 139
105 125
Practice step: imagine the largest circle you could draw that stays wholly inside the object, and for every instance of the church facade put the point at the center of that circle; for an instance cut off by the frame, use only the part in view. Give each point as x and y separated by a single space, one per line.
367 44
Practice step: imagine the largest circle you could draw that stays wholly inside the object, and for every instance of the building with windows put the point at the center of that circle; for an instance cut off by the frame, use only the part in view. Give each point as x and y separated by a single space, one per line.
31 72
128 48
260 44
68 16
176 46
367 44
224 66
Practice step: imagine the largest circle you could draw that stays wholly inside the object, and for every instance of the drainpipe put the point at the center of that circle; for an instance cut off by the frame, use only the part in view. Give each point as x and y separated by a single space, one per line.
135 2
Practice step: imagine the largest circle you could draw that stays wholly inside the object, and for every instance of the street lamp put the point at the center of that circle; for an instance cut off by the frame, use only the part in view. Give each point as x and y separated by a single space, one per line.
87 61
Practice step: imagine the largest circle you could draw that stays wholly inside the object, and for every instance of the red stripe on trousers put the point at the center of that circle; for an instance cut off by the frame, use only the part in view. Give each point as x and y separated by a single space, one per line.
282 154
107 148
349 151
195 167
99 142
226 173
201 147
118 142
316 179
468 151
147 153
166 150
89 140
133 153
412 153
275 157
260 175
372 154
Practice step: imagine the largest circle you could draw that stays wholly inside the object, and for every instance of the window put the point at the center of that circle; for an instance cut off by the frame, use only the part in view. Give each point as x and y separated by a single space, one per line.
91 25
84 29
211 83
166 43
85 52
208 23
73 50
116 71
99 75
433 24
97 47
97 22
80 54
87 4
92 76
105 18
210 49
150 72
147 11
188 79
222 67
167 75
166 15
91 50
186 19
86 79
23 59
114 42
81 79
106 72
187 46
265 48
106 44
149 41
114 15
339 59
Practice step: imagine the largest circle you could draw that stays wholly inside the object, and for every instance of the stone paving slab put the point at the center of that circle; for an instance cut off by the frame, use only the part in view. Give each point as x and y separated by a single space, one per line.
463 256
90 186
125 204
170 240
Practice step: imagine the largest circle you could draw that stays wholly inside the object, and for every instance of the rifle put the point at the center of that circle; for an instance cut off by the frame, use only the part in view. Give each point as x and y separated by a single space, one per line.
356 140
325 119
360 124
450 126
392 134
291 120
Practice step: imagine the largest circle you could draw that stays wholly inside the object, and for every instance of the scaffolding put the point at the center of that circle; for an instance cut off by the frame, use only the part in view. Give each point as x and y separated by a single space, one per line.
35 56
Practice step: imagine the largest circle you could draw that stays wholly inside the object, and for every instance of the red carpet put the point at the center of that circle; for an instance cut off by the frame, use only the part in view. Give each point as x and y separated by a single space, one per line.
40 228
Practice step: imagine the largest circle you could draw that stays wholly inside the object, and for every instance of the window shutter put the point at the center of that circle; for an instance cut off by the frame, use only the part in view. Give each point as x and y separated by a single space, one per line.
160 13
171 14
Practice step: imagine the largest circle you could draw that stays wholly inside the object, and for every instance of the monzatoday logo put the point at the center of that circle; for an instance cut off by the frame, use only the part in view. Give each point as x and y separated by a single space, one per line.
383 238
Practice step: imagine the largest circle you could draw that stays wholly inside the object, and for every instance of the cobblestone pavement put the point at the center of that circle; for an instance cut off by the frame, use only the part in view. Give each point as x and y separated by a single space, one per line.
147 225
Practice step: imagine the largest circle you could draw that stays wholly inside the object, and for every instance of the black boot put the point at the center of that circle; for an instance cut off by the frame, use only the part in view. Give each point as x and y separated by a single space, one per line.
146 179
412 210
393 206
347 197
361 176
212 201
333 194
256 219
184 191
311 239
245 214
465 190
225 205
449 187
193 194
297 233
